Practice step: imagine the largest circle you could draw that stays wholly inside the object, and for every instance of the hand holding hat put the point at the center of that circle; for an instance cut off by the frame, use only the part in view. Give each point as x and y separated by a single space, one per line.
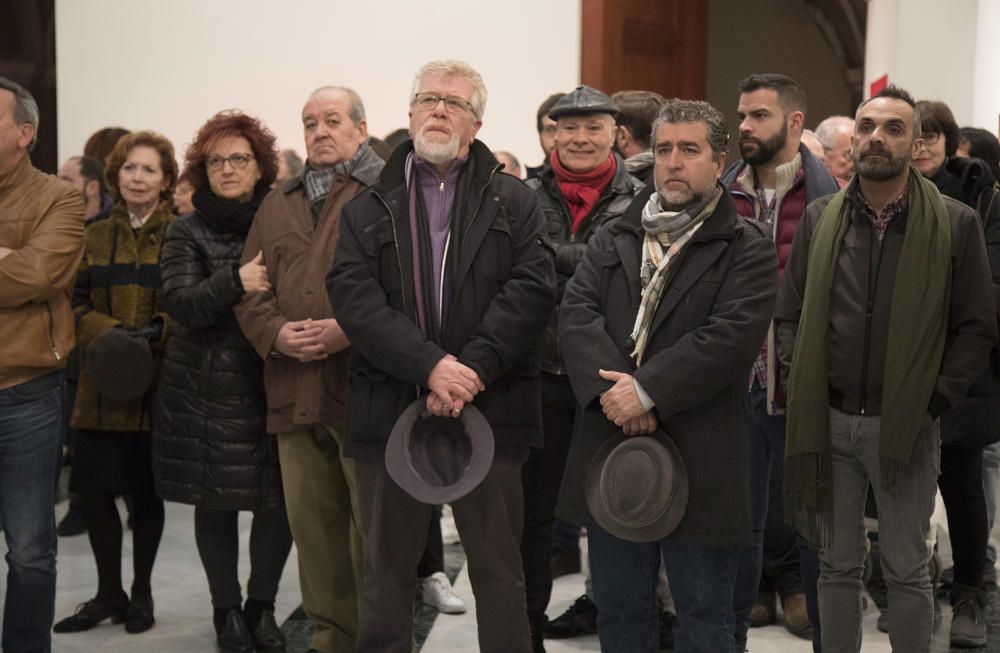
621 402
452 386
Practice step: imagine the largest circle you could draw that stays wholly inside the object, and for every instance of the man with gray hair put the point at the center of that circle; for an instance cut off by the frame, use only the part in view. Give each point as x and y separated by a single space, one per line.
41 243
443 284
659 328
835 133
296 332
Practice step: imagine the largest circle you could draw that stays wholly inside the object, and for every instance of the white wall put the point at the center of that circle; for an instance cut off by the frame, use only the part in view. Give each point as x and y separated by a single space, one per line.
168 66
929 47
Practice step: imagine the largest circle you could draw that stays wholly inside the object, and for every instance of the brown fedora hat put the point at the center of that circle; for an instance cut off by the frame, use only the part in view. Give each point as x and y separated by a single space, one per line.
120 365
637 487
439 459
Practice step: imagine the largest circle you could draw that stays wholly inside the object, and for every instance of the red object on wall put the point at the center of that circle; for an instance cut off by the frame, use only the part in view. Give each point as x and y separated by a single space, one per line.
878 85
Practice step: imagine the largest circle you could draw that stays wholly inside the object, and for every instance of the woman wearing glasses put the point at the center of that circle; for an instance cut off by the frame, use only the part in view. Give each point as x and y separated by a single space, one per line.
210 443
974 422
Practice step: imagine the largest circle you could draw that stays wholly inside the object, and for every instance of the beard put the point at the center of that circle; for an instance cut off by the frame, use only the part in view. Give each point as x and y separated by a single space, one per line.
678 200
433 151
764 150
878 168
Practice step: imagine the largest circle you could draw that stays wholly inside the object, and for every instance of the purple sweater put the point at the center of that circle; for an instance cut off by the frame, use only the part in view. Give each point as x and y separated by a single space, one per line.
439 196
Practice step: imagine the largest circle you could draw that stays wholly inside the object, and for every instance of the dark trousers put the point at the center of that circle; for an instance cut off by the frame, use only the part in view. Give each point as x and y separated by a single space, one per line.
433 559
961 484
31 427
489 521
625 579
216 533
774 550
541 478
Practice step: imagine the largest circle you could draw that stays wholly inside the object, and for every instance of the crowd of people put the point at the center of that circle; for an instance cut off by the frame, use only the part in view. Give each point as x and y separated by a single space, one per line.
715 369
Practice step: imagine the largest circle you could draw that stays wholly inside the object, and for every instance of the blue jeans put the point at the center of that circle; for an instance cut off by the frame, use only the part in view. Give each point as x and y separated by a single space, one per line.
991 485
625 580
904 512
765 455
31 429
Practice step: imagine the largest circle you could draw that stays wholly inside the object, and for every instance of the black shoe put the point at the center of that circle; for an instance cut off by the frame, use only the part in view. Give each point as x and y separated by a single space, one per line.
235 636
267 637
90 614
73 523
579 619
667 622
565 562
139 617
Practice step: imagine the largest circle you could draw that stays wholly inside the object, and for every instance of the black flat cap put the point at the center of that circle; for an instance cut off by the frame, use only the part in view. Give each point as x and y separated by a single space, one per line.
584 100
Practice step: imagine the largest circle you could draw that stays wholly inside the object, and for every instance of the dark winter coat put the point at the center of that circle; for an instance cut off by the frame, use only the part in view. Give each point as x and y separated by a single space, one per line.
976 419
705 334
210 445
569 246
500 297
118 285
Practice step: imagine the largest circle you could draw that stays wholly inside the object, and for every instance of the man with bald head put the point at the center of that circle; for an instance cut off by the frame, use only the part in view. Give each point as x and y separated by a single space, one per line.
293 328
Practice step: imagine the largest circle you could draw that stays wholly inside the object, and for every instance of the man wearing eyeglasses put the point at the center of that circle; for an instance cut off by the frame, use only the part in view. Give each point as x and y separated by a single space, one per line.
294 329
443 284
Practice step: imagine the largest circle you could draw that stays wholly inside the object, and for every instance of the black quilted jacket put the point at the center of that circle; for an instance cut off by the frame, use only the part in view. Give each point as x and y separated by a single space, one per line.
210 445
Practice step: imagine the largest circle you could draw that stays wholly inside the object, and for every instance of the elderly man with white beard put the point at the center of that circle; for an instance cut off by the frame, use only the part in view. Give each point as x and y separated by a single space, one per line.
443 283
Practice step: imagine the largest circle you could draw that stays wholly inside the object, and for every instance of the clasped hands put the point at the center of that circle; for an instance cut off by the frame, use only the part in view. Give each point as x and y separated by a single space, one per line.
311 340
452 386
621 405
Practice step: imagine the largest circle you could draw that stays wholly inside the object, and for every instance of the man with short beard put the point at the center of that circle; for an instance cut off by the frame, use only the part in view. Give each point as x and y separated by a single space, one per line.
885 316
443 284
773 184
659 327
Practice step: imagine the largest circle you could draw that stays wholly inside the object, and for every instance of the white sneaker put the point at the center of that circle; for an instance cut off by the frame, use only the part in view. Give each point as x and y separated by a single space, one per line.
449 532
438 594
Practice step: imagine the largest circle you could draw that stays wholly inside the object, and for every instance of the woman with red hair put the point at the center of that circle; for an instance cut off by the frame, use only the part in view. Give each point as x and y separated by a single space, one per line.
211 447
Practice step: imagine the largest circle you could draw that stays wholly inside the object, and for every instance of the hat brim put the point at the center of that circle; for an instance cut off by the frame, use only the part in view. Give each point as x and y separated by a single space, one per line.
400 466
669 515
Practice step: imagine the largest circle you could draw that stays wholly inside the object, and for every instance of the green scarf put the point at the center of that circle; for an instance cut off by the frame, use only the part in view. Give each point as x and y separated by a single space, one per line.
917 326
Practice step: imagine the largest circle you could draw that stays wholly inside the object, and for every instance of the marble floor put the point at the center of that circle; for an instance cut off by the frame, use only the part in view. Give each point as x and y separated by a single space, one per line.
183 609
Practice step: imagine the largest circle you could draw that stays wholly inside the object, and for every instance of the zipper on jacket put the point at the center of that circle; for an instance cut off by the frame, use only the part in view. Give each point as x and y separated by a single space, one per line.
869 310
52 337
395 241
479 204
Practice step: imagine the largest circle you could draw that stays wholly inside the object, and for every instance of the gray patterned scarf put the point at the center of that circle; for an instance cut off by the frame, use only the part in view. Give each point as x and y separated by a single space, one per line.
666 234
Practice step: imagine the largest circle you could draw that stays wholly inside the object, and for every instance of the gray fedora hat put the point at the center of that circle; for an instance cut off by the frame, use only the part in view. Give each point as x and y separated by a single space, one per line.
120 365
439 459
583 100
637 487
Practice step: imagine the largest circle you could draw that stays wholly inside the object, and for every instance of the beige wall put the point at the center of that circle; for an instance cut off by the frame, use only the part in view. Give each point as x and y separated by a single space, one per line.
772 36
168 66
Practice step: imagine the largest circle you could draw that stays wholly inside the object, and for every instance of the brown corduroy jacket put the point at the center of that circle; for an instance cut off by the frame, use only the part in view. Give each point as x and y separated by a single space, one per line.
41 220
298 255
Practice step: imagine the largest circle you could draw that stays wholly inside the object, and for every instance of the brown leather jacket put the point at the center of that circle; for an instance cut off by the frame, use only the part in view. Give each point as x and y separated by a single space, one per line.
298 255
41 220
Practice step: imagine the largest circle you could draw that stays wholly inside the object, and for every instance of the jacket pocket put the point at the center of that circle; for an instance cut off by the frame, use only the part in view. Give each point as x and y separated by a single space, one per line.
372 404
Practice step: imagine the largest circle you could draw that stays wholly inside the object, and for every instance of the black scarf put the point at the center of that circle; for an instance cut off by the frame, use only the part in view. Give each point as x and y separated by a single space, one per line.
226 216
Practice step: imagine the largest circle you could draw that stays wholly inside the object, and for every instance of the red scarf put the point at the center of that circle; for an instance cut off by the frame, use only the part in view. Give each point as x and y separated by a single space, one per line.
581 190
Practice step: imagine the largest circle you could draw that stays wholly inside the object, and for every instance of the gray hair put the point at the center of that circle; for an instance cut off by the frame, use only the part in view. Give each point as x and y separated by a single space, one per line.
25 107
355 107
454 68
677 110
827 130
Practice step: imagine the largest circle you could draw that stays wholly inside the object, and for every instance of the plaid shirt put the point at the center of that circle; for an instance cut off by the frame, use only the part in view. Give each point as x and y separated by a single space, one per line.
880 220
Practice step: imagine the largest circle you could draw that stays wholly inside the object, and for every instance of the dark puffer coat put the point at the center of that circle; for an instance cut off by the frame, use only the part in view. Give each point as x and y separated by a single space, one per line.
210 444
